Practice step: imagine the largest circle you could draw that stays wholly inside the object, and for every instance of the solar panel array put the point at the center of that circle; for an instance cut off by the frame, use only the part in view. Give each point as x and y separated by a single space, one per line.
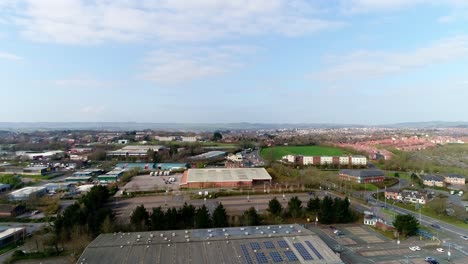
290 255
303 251
246 254
282 244
261 258
276 257
314 249
269 244
255 246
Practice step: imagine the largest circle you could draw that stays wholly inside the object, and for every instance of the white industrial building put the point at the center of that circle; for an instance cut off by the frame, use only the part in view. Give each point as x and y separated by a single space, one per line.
26 193
135 150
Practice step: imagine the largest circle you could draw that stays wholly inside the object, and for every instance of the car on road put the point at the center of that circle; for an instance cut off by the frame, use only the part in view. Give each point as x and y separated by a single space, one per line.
427 259
464 237
433 262
441 250
435 225
415 248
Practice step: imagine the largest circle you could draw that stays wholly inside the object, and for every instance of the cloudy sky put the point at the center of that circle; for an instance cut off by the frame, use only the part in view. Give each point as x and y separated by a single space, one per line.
333 61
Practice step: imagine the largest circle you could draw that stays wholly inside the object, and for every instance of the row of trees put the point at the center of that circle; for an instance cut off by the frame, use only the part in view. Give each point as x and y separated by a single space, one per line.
327 210
186 217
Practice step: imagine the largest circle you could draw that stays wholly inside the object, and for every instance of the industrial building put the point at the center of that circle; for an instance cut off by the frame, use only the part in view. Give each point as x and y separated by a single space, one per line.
362 176
80 179
326 160
253 244
88 173
26 193
224 177
209 155
11 235
153 166
11 210
39 155
135 150
112 176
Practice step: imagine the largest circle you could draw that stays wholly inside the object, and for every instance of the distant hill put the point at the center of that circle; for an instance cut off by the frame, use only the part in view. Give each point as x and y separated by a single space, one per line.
126 126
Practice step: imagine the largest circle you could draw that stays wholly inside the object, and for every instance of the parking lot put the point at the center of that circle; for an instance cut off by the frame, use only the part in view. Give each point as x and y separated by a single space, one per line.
147 183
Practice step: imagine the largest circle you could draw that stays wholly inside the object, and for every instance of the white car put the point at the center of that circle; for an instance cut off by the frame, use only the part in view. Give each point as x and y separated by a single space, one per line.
412 248
464 237
441 250
417 248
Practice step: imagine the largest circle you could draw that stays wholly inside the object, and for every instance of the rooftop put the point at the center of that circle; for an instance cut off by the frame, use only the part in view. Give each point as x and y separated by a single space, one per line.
209 154
363 173
453 175
433 178
227 174
27 191
262 244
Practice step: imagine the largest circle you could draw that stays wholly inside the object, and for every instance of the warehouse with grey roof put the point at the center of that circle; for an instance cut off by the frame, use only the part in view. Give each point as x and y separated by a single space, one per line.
261 244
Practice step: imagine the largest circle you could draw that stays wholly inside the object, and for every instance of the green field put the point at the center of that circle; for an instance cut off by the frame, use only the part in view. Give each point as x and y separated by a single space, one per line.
278 152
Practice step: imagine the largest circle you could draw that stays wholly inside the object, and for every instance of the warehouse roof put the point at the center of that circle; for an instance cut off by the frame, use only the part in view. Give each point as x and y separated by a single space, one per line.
227 175
209 155
27 191
262 244
363 173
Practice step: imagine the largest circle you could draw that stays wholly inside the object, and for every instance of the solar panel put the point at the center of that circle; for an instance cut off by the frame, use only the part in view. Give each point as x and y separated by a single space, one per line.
269 244
314 250
255 246
246 255
290 255
303 251
261 258
282 244
276 256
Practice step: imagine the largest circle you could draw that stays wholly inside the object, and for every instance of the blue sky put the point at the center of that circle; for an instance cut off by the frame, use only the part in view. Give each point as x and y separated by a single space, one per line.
270 61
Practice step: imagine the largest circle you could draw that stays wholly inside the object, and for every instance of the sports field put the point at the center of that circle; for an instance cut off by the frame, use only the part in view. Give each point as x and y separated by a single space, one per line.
278 152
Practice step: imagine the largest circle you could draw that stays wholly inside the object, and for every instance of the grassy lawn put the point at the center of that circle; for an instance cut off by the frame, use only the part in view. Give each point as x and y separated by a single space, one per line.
278 152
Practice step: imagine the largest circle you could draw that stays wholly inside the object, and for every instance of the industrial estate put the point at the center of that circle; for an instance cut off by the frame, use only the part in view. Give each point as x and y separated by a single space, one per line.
246 196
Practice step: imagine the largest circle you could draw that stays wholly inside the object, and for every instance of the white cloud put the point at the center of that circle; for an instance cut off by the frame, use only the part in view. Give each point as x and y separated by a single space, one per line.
367 6
94 21
9 56
83 82
92 109
181 65
363 64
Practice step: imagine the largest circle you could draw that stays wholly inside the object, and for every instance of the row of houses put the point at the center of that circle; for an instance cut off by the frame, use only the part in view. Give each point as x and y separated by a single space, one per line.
406 196
326 160
443 179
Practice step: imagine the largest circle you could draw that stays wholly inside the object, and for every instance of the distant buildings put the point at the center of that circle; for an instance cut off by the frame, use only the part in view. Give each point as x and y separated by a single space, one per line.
224 178
326 160
11 210
405 196
135 151
456 179
112 176
434 180
11 235
209 155
362 176
178 138
39 155
27 193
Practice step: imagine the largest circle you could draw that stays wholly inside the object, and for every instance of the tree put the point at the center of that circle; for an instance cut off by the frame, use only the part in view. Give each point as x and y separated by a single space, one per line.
220 218
187 213
275 207
313 205
396 175
202 217
326 214
342 212
139 218
217 136
250 217
439 205
295 207
158 219
108 225
407 225
171 218
13 180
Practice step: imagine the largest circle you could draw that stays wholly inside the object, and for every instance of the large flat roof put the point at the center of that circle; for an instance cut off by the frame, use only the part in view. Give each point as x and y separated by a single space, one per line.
227 175
290 243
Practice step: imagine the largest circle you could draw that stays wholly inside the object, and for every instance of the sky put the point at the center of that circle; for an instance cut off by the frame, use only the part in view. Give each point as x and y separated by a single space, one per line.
217 61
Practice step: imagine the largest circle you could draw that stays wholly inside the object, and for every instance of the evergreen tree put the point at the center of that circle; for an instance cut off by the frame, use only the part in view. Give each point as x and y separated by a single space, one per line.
275 207
313 205
295 207
220 218
158 219
171 217
139 218
202 218
407 225
326 214
250 217
187 213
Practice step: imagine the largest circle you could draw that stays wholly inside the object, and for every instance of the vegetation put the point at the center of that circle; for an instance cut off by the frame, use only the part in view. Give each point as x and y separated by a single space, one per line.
275 207
251 217
277 153
13 180
407 225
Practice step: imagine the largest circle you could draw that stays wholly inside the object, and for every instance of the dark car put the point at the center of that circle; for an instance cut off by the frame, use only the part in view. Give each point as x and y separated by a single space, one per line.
435 225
